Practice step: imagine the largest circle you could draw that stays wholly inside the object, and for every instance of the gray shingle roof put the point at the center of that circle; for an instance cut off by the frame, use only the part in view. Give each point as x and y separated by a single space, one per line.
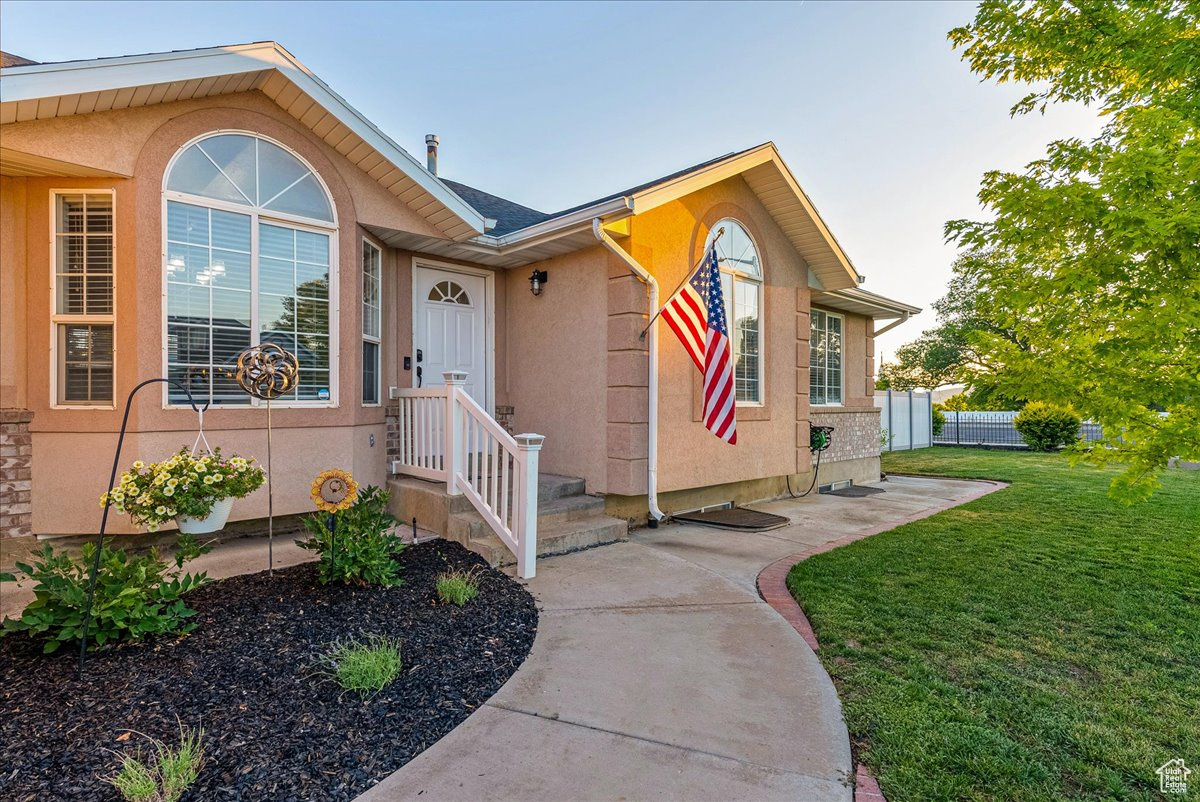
510 216
13 60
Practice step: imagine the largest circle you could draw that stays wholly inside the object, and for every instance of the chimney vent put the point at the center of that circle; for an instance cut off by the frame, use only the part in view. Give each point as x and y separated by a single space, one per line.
431 146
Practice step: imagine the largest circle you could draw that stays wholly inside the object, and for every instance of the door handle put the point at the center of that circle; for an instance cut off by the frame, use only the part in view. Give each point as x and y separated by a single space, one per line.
419 375
420 356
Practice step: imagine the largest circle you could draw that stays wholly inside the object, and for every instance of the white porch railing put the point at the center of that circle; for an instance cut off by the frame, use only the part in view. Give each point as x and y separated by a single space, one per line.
446 436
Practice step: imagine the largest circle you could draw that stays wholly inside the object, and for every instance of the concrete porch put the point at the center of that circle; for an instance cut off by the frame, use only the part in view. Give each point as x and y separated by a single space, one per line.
568 519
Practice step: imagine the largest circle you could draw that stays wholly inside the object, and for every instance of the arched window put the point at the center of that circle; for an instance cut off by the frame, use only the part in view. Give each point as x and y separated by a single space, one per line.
742 287
250 258
449 292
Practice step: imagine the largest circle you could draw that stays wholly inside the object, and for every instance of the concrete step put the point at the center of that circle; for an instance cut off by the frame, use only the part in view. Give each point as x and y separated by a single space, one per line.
555 538
551 486
568 508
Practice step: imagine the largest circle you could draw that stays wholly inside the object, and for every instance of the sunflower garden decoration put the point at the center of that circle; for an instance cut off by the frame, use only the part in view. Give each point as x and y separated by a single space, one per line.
355 534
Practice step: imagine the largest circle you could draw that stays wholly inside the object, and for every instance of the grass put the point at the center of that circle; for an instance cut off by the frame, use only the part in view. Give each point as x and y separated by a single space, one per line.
166 774
1039 643
457 587
367 666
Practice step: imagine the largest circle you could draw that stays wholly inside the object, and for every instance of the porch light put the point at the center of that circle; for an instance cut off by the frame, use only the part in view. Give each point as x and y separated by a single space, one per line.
536 279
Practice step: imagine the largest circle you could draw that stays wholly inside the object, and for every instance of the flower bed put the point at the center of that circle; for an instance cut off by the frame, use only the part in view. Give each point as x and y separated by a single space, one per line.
276 726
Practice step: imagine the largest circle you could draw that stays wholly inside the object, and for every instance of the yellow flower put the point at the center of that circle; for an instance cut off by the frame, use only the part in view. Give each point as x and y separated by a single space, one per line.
218 477
138 465
208 480
169 491
334 506
160 510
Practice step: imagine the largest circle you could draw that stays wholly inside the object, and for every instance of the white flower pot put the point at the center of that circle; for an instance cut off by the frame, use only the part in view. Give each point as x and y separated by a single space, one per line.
213 523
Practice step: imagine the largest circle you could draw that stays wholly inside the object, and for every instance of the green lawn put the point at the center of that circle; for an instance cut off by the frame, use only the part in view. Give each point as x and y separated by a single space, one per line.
1039 643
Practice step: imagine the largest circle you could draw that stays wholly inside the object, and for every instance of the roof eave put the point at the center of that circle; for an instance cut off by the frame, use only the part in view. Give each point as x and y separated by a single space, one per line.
35 82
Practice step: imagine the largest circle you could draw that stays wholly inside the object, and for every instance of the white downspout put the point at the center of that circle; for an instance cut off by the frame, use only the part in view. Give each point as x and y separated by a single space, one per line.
642 273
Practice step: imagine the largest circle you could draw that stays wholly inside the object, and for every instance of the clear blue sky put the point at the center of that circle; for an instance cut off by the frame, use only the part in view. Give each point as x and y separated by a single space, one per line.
552 104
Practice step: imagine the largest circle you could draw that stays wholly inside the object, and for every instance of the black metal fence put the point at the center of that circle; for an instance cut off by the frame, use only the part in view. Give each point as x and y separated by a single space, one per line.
991 429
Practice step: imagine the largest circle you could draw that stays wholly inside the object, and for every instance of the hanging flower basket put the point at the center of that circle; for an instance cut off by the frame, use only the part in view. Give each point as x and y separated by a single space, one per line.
215 521
197 491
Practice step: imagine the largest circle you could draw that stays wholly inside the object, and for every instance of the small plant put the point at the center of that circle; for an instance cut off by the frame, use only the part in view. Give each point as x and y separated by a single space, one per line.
165 774
135 596
1046 427
361 549
366 666
938 419
885 437
457 586
154 493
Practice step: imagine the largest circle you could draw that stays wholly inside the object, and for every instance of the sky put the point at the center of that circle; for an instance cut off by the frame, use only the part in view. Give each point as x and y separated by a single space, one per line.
554 104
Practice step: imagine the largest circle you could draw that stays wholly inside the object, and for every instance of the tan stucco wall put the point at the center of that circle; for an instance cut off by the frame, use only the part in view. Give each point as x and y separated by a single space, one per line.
556 352
13 297
74 446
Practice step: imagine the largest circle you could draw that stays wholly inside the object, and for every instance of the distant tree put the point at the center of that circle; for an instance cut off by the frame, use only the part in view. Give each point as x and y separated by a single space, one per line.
948 353
1100 280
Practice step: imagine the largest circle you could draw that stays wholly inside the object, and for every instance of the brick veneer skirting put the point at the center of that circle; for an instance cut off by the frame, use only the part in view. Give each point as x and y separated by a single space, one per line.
16 473
855 432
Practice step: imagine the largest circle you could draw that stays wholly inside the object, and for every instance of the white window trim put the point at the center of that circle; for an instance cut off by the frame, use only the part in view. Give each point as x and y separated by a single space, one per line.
56 319
760 282
332 230
378 340
842 371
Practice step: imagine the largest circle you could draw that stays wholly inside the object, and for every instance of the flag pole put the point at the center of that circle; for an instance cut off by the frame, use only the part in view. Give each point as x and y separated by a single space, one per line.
690 273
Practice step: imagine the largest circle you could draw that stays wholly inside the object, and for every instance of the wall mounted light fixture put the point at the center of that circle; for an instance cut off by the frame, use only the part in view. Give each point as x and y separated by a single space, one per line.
537 279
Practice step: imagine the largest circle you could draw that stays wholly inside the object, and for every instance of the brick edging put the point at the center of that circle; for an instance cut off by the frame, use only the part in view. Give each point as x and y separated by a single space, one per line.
772 587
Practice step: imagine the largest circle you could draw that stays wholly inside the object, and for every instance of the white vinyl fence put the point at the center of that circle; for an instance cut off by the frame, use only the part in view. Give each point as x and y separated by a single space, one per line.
906 418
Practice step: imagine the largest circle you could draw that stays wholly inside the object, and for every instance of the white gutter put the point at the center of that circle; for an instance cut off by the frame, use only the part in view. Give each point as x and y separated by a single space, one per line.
642 273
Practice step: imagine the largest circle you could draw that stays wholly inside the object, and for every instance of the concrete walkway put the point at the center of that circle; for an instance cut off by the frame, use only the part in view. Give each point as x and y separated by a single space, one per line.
659 673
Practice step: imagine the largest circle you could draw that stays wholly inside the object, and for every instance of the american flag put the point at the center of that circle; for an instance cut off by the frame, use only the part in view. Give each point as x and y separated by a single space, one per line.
697 316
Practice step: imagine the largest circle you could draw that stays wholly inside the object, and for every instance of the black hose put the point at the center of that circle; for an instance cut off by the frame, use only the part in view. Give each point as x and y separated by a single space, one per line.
816 470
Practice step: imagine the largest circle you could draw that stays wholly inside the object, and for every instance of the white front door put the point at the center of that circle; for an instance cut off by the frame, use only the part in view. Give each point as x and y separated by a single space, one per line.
450 319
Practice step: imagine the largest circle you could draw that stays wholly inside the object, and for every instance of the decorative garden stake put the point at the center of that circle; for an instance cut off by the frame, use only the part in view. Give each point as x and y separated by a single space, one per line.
112 480
333 491
267 371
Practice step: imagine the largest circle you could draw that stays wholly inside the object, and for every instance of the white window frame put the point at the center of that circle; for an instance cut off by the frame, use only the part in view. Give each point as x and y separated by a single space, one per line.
257 215
760 282
841 370
57 319
377 339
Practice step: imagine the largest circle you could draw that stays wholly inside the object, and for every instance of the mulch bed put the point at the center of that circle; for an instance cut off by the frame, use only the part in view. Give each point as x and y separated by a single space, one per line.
274 728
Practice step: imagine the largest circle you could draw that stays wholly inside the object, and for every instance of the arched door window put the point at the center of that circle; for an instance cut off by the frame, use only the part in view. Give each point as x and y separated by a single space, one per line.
742 287
250 258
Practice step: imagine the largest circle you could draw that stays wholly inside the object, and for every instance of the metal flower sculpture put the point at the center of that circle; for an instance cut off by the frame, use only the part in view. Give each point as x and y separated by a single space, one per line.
267 371
334 491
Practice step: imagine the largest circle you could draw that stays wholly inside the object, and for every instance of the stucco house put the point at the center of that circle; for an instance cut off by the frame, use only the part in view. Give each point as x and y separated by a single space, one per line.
161 212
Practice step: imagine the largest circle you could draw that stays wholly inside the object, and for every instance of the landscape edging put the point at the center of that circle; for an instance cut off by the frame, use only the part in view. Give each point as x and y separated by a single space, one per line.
772 587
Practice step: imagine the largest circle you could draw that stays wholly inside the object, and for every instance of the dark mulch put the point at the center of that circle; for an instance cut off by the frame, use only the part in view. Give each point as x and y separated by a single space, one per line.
273 728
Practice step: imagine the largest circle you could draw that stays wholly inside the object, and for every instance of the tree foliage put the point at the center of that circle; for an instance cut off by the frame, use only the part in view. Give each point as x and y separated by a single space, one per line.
1101 239
949 353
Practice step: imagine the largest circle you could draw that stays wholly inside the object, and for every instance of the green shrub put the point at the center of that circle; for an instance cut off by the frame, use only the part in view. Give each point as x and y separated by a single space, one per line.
135 596
366 666
362 550
939 419
457 587
1046 427
165 774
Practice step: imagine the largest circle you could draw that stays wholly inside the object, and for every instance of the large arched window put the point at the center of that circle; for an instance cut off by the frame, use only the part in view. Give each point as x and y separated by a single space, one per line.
250 257
742 286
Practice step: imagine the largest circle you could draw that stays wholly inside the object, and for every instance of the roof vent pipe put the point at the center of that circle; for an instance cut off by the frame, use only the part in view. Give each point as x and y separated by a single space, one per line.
431 146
